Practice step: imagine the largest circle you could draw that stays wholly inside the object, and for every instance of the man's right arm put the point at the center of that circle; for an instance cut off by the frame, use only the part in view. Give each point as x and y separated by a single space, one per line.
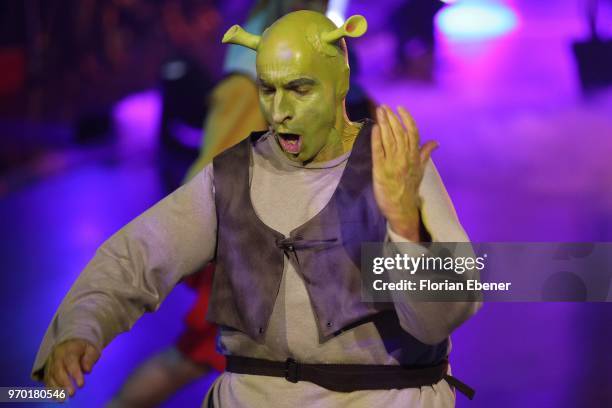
132 272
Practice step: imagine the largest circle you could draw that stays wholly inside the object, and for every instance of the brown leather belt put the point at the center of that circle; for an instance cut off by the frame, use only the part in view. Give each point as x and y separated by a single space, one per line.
349 377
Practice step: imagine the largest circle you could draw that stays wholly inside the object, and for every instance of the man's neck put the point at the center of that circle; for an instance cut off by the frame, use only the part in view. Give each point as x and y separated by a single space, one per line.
341 139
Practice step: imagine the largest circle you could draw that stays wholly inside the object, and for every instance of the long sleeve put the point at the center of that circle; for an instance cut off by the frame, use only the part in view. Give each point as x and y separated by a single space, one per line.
135 269
432 322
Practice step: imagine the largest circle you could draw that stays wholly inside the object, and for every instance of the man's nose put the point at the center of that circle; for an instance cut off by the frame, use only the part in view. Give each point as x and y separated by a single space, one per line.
281 111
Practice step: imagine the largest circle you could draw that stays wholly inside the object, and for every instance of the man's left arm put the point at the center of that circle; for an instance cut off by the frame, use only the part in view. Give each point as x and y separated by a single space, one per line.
412 197
432 322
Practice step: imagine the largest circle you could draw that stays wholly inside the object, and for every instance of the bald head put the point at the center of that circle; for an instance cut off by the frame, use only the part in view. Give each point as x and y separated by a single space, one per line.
293 43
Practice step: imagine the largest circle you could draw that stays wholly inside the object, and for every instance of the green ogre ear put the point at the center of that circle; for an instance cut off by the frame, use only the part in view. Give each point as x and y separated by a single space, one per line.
236 35
354 26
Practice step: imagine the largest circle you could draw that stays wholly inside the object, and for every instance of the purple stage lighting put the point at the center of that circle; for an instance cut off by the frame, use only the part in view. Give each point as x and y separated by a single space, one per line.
476 20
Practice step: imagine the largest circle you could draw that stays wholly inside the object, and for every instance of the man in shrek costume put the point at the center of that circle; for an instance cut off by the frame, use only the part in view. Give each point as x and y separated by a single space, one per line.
283 213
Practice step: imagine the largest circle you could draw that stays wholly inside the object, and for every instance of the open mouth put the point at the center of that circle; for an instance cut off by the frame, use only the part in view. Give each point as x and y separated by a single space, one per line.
290 142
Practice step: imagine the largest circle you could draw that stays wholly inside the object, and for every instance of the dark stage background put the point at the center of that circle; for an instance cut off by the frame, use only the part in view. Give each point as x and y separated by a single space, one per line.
93 131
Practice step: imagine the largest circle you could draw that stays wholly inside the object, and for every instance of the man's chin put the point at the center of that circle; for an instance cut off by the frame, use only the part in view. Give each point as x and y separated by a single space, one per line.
296 157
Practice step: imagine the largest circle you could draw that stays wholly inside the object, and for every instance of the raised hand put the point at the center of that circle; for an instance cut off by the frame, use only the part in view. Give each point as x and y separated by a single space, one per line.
398 166
67 364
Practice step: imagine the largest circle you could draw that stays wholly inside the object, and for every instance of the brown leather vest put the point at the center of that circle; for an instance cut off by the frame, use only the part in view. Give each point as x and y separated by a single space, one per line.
325 250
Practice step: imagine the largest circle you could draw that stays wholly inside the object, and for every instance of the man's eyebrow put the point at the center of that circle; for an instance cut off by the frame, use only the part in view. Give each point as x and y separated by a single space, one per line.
296 83
263 83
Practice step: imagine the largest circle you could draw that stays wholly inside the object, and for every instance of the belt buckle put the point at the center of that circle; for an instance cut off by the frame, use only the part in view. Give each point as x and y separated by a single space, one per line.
292 370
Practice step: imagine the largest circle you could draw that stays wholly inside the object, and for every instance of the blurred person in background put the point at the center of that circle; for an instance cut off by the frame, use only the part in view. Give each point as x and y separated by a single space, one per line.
412 23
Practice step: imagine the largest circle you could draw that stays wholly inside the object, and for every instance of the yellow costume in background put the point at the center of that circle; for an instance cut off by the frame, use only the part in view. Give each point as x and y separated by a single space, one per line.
233 115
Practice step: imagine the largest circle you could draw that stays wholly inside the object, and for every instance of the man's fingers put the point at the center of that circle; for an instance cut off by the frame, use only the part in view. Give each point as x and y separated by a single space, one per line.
378 152
89 358
411 128
47 373
62 380
74 369
67 362
385 132
426 151
48 379
53 384
398 131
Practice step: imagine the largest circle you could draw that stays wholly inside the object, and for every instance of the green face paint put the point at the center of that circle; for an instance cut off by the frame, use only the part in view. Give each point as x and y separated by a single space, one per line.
297 92
303 78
